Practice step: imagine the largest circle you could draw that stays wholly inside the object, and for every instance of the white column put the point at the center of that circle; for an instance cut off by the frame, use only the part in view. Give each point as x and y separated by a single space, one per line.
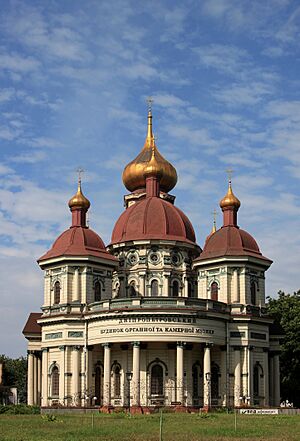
276 380
76 285
237 376
136 374
44 398
189 378
35 379
186 287
62 375
250 374
236 287
223 385
30 380
75 374
165 291
266 377
39 378
142 276
271 380
179 374
207 377
106 382
89 368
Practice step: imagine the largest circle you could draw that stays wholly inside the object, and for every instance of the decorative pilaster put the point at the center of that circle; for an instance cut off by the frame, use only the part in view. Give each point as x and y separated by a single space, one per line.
236 287
76 285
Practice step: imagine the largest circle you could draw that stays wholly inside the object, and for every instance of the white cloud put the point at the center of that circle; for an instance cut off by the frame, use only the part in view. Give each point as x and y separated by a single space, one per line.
16 62
28 157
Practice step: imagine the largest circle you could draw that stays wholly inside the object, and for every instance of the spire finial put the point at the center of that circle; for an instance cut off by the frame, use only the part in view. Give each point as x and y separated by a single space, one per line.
230 204
79 201
229 172
150 101
149 139
214 228
80 172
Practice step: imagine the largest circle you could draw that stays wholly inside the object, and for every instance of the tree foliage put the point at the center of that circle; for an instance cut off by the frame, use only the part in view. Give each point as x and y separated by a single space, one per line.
15 375
286 313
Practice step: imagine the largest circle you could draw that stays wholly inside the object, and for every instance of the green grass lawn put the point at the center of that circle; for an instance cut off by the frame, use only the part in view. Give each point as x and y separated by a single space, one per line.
176 427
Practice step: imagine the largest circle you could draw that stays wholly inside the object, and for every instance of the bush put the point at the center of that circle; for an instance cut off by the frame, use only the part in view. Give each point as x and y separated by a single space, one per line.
19 409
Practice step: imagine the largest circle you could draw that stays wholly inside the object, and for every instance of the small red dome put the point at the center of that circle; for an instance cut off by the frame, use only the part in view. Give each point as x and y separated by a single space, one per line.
77 241
230 241
153 218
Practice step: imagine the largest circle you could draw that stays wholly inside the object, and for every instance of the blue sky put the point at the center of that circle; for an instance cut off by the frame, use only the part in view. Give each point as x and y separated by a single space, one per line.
74 77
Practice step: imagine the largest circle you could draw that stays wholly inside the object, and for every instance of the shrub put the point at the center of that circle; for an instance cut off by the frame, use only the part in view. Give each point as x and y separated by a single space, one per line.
19 409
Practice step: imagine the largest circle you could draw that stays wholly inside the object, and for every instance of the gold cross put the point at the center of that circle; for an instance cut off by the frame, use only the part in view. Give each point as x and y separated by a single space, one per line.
80 171
150 101
229 171
214 213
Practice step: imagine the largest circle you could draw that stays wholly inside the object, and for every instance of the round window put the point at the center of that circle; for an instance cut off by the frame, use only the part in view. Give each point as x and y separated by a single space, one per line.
132 258
175 259
154 257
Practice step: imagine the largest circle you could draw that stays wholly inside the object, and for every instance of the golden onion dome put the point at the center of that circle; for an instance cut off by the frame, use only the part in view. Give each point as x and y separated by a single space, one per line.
153 167
230 200
79 200
134 172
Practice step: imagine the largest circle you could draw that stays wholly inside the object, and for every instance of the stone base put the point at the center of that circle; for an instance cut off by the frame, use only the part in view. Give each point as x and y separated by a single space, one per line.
136 410
106 409
181 409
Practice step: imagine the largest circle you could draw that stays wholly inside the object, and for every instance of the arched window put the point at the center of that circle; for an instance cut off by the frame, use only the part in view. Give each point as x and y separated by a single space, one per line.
132 290
256 381
195 375
175 289
97 292
157 380
253 293
98 385
215 370
55 382
117 381
56 293
214 291
154 288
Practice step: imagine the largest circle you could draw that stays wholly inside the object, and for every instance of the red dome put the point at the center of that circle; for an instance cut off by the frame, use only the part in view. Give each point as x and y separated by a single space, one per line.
153 218
78 241
230 241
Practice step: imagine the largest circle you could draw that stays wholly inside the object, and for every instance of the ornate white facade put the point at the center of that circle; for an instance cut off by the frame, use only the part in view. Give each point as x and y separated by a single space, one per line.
152 320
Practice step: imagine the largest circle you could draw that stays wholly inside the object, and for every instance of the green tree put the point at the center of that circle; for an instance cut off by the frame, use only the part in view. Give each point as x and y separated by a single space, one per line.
15 375
286 313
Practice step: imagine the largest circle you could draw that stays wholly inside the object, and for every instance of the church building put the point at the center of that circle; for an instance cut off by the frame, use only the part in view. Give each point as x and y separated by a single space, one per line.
152 319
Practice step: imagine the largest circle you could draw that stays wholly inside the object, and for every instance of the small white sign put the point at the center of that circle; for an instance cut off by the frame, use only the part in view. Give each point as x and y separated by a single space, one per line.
259 411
